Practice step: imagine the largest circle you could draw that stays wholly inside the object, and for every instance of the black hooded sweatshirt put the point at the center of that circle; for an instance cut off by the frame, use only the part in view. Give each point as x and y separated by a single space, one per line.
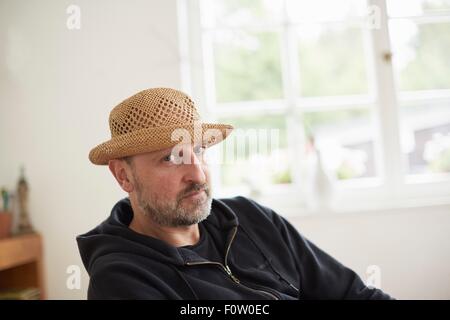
245 251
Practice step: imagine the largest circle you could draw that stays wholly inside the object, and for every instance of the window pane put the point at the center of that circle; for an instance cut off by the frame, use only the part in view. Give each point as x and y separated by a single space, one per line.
425 133
246 12
397 8
256 153
247 66
346 141
421 57
325 10
331 60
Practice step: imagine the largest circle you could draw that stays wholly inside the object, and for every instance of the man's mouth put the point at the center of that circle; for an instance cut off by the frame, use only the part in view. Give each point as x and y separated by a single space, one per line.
195 194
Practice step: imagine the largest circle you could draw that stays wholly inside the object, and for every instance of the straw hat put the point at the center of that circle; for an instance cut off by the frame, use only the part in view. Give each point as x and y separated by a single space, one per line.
155 119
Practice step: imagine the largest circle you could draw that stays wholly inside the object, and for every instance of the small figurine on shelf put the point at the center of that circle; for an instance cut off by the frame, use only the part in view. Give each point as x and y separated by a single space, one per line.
22 195
5 215
4 200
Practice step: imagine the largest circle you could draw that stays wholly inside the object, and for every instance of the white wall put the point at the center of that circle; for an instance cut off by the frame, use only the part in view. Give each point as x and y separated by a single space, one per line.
411 247
56 90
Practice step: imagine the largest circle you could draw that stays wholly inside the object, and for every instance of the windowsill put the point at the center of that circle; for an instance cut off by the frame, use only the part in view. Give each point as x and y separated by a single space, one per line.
366 196
358 208
429 178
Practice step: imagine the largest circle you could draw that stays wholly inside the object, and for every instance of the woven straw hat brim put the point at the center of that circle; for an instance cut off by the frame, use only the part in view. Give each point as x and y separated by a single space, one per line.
154 139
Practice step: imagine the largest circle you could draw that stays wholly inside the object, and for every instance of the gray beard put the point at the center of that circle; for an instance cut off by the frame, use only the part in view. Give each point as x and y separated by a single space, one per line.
173 214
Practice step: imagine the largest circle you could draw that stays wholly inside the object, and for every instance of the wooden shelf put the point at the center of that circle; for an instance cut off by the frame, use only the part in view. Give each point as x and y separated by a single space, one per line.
21 263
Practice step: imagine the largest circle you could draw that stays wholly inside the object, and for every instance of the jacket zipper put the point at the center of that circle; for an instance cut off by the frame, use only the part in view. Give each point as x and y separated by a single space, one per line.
288 283
274 270
226 268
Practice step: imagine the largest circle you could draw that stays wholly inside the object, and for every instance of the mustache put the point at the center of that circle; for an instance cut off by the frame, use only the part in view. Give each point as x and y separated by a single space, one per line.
195 187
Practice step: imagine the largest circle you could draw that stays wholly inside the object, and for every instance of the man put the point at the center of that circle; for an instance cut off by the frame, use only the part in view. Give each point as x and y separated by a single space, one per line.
171 240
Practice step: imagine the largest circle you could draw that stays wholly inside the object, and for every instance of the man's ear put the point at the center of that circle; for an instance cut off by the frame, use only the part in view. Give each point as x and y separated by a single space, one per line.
122 174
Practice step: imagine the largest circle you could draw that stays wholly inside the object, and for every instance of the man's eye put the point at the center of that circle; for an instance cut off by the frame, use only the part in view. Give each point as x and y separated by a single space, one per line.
168 158
199 149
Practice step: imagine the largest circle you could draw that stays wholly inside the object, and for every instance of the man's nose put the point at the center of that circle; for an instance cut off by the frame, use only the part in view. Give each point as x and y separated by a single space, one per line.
195 169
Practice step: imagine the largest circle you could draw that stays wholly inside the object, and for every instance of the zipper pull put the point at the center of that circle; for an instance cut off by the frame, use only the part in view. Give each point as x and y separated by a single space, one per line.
227 269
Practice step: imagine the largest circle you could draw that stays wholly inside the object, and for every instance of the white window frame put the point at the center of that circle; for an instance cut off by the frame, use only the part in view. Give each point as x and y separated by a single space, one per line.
392 189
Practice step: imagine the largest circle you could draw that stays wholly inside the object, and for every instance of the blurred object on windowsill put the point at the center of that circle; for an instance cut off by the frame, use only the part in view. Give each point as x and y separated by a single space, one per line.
319 183
437 153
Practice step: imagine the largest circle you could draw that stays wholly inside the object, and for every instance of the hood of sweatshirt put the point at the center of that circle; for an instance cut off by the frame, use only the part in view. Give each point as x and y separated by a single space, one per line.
114 236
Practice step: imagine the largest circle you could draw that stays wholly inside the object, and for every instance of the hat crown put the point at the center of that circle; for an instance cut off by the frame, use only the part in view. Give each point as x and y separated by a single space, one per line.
152 108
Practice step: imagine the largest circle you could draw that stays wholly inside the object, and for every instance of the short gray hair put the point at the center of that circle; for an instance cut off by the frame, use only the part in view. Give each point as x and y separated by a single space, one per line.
128 160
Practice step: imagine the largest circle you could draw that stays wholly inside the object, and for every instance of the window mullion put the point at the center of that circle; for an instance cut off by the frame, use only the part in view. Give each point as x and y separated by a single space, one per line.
202 74
388 110
291 85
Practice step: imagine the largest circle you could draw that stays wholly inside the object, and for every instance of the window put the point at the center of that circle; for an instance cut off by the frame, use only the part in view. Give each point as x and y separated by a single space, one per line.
420 38
247 66
319 74
257 155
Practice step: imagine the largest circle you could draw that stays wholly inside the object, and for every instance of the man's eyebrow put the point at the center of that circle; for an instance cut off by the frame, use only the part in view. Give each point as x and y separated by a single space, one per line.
165 152
161 153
